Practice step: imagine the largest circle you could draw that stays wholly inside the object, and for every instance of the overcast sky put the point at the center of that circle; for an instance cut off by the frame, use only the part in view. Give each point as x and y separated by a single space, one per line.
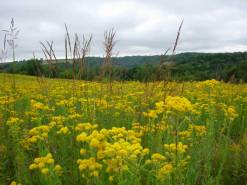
144 27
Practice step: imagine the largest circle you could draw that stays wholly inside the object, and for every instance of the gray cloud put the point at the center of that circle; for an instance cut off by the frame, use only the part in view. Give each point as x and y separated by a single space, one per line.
143 26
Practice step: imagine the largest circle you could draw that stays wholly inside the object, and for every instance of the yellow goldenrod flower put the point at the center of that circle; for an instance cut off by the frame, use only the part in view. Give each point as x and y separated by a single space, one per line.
81 137
180 147
83 151
45 171
165 170
94 143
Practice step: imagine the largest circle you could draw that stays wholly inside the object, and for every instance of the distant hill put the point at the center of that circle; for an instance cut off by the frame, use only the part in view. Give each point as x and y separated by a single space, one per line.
186 66
126 61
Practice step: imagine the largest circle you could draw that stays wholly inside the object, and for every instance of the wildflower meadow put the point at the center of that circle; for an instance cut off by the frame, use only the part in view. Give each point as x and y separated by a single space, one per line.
71 132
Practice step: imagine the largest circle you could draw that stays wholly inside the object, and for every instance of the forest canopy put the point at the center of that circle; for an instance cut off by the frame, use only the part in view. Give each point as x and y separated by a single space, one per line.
183 67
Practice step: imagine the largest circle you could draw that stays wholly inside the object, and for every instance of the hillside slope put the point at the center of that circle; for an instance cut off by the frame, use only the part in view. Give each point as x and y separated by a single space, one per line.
185 66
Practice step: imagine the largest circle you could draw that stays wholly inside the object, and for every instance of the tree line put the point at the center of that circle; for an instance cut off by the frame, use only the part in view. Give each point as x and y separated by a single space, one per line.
182 67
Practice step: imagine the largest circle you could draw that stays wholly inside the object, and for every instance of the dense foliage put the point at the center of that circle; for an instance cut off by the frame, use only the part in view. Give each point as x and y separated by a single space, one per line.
185 66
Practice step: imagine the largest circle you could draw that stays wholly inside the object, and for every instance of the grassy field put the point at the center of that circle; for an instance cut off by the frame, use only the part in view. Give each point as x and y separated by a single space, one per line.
65 132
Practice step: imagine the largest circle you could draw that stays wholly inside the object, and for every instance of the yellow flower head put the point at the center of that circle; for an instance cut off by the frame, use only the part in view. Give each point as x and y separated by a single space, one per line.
179 104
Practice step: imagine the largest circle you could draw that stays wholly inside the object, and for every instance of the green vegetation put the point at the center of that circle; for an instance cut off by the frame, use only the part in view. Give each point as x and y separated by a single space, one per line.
183 67
74 132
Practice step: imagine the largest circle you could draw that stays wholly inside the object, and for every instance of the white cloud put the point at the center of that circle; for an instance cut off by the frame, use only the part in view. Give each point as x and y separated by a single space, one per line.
143 26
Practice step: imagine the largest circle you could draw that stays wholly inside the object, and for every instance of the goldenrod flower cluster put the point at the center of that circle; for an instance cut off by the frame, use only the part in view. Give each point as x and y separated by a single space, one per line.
63 130
90 166
199 130
85 126
147 128
38 105
45 165
209 83
164 170
36 134
178 104
176 147
114 147
232 113
15 183
14 121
